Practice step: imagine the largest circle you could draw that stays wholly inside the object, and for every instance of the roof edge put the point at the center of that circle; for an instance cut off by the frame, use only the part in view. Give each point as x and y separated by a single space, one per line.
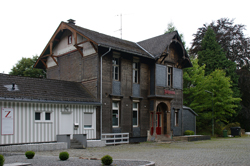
50 101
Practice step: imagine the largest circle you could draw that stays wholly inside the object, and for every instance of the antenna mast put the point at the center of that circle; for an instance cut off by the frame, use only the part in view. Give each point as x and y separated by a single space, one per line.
121 26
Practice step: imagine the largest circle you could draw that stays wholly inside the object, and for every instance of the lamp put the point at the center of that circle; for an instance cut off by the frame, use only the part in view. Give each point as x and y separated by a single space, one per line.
212 110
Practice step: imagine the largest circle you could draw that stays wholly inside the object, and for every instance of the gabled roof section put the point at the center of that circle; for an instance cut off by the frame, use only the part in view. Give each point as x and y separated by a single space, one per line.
151 48
157 45
109 41
38 89
93 37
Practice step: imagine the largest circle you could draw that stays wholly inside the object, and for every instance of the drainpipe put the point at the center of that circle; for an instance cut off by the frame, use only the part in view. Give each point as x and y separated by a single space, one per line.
101 92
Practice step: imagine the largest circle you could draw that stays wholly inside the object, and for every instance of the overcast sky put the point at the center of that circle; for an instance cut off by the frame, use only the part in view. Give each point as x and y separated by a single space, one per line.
27 25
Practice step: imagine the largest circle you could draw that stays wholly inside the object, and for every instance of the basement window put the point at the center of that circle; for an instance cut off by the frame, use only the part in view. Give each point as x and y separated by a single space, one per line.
43 116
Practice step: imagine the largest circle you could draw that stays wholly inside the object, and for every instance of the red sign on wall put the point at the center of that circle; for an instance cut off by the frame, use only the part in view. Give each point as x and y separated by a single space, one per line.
169 92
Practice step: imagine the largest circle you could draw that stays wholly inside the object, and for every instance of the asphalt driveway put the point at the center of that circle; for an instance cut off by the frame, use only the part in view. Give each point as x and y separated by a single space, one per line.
223 151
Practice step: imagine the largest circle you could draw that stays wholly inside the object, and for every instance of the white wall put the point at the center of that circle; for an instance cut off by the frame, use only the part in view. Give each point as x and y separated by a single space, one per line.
26 129
63 47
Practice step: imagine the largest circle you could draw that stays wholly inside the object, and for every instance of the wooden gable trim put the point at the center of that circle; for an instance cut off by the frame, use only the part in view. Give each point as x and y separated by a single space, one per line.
61 27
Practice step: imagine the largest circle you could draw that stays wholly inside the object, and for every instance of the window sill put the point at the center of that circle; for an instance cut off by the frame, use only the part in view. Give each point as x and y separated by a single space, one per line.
42 121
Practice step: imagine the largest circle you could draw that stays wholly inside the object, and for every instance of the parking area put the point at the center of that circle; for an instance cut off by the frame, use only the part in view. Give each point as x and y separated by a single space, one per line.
224 151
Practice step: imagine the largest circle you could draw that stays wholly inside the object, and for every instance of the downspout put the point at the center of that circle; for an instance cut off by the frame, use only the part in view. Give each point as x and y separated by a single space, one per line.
101 93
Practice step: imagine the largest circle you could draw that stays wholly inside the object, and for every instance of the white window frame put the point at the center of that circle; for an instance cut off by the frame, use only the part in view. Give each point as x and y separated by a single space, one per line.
118 112
70 39
43 116
137 113
170 76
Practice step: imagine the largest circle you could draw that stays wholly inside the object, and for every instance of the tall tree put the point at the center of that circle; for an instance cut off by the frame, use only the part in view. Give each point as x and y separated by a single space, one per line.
214 57
24 67
231 38
196 83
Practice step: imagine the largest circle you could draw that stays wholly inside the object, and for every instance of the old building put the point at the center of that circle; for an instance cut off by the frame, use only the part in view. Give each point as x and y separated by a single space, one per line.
138 84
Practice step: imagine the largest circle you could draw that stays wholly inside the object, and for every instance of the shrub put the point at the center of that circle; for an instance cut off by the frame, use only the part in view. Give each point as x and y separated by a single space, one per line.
1 160
64 156
107 160
30 154
188 132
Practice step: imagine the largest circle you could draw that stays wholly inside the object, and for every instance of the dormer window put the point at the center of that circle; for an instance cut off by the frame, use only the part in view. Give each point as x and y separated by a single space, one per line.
70 39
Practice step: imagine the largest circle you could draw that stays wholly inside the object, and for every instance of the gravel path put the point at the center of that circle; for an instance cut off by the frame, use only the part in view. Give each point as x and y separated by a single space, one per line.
224 151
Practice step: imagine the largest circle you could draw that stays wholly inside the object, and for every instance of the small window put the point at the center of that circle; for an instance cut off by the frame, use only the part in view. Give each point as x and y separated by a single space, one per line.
135 72
115 114
87 120
70 39
135 114
115 69
170 73
47 116
38 116
176 117
43 116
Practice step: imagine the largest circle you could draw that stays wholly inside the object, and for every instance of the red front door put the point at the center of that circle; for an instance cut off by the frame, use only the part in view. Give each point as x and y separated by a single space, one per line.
158 123
158 117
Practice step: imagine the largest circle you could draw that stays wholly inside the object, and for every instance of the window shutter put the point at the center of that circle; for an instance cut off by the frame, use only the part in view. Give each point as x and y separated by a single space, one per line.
177 78
87 119
160 75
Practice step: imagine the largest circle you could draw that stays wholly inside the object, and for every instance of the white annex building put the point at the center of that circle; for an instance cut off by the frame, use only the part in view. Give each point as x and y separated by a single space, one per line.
36 110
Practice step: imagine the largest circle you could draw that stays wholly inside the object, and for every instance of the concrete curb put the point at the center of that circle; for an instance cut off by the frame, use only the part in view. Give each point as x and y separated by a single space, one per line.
151 163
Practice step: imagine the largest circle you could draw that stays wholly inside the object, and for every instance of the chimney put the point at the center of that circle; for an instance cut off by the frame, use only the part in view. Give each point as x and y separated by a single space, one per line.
13 86
71 21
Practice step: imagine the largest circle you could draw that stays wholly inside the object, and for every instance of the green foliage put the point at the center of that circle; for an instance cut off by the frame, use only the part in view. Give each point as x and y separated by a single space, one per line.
30 154
196 83
64 156
213 56
107 160
189 132
1 160
231 38
24 67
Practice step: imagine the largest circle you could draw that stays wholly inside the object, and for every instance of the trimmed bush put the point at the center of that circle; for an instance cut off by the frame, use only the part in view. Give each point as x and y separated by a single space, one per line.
189 132
30 154
107 160
64 156
1 160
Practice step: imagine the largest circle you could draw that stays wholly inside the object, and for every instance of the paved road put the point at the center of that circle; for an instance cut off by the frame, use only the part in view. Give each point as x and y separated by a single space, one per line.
224 151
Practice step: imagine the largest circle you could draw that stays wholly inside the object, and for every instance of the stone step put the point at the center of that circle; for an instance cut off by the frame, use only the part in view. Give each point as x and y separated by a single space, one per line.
74 144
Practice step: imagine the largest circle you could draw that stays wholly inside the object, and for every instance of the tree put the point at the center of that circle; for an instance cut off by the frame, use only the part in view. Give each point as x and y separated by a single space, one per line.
24 67
195 85
214 57
231 38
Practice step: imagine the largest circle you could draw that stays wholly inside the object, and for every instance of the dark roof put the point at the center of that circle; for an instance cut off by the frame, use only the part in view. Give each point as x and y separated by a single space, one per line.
110 41
27 88
157 45
187 108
